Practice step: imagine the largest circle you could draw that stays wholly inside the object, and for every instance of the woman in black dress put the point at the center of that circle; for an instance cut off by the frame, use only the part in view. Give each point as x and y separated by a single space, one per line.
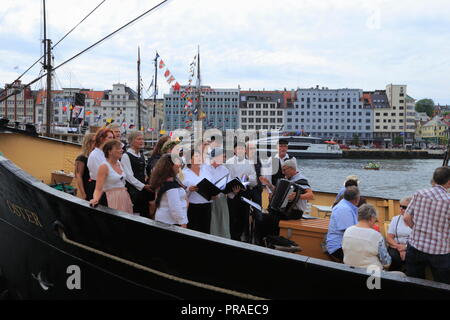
81 169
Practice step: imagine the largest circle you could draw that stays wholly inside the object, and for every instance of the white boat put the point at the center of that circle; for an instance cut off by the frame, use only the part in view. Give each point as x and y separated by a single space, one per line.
302 147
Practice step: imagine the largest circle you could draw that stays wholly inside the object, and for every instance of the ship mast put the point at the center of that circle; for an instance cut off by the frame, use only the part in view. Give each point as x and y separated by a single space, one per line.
48 66
199 88
139 88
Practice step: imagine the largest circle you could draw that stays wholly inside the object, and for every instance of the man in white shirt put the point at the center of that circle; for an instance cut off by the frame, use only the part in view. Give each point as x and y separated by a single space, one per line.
241 168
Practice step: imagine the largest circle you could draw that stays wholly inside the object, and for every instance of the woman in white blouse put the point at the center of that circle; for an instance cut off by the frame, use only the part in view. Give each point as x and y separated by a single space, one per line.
199 210
171 200
397 237
111 179
97 158
220 216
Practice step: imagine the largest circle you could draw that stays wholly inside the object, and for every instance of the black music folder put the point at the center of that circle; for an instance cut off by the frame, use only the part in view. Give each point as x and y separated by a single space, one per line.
207 189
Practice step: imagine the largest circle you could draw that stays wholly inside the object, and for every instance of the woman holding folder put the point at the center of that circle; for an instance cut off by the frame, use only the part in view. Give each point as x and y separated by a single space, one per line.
219 174
199 209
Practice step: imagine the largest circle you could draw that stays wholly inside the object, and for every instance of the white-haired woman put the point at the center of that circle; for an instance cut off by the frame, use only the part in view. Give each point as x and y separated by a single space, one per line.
133 163
397 237
362 245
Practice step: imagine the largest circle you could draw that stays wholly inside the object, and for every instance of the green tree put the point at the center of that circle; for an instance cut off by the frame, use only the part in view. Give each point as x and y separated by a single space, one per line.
425 105
398 140
355 140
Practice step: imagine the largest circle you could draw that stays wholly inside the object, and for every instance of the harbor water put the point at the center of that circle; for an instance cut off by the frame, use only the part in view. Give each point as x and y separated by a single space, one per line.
395 179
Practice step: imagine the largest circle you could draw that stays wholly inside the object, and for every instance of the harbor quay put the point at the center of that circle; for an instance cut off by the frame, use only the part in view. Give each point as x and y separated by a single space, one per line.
392 154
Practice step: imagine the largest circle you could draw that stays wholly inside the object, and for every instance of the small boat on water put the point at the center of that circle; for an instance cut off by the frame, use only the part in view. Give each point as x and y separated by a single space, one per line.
372 166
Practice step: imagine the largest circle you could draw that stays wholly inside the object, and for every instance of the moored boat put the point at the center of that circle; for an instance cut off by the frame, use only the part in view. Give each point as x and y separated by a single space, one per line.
45 233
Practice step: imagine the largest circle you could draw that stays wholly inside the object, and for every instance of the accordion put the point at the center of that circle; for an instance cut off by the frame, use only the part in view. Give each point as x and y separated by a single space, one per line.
283 190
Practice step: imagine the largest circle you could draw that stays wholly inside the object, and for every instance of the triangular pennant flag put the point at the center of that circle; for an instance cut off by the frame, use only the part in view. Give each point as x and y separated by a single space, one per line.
161 64
170 80
183 95
176 86
162 131
167 73
71 107
65 108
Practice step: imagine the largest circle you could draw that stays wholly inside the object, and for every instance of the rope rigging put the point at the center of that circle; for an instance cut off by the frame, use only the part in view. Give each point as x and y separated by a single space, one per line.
17 91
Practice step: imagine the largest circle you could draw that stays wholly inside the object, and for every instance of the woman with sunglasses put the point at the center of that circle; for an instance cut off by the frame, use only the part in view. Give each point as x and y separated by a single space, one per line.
397 237
111 179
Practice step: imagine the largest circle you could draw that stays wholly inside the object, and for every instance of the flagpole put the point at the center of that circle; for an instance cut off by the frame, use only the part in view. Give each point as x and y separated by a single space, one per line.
154 96
139 87
199 86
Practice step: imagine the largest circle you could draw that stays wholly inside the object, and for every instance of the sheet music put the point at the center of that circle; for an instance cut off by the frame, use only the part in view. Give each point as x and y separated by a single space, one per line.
215 183
253 204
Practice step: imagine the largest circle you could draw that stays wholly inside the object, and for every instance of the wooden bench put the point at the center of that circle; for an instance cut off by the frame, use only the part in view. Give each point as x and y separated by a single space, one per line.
308 234
325 209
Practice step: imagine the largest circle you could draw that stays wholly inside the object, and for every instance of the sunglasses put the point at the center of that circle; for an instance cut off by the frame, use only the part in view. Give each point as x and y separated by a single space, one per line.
404 207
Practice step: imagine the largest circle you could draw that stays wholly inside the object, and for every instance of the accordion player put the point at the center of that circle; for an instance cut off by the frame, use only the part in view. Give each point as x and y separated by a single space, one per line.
280 204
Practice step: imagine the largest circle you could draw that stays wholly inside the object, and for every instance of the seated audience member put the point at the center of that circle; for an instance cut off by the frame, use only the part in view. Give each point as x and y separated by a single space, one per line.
397 237
81 170
354 182
340 196
343 215
363 246
111 179
171 200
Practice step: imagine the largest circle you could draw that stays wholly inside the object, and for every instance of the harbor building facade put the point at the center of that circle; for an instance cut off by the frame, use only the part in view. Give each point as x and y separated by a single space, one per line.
19 107
100 107
338 114
62 100
121 105
394 114
220 108
262 109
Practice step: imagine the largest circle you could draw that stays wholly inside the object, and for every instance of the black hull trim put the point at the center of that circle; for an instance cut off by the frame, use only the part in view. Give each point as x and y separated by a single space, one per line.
122 251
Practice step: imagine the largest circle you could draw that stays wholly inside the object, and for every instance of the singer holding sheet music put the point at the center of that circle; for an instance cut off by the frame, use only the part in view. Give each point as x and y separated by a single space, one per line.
243 169
220 219
199 210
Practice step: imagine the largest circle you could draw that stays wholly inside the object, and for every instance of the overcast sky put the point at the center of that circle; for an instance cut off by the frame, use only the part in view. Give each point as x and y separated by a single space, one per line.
257 44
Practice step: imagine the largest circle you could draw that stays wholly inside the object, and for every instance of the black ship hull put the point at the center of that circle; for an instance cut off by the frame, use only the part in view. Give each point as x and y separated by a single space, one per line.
45 235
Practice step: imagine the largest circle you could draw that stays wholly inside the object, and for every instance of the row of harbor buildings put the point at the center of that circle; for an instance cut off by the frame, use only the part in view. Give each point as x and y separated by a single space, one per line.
379 116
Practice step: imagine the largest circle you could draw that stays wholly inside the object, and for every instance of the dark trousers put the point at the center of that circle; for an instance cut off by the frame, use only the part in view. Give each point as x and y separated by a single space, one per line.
90 193
199 217
140 201
338 254
267 224
239 213
416 261
397 263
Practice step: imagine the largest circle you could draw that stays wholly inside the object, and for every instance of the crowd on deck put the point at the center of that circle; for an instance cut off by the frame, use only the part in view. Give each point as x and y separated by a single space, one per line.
169 187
